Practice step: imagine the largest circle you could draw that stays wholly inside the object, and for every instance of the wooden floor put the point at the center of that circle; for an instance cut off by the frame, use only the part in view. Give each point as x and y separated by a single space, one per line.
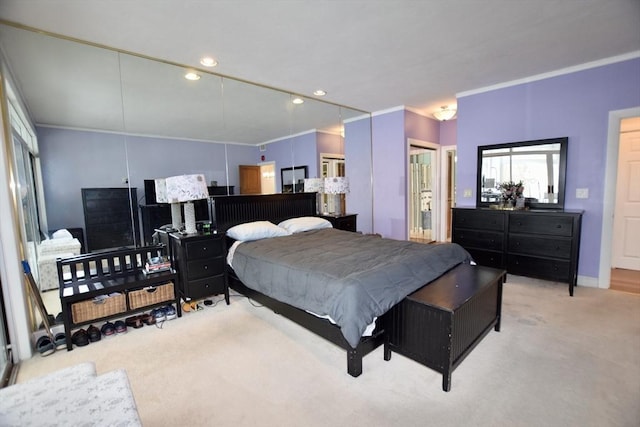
625 280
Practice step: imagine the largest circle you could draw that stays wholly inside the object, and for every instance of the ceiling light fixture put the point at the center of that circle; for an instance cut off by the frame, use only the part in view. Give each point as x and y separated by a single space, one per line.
445 113
297 101
208 61
319 92
192 76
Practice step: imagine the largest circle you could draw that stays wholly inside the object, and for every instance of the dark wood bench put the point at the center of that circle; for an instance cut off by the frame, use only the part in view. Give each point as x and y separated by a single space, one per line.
439 324
87 280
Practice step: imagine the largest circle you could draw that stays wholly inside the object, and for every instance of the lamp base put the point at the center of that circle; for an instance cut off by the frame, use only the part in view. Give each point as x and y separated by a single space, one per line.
176 216
189 218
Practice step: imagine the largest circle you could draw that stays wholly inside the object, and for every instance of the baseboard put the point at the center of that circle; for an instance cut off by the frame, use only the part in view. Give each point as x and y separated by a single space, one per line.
589 282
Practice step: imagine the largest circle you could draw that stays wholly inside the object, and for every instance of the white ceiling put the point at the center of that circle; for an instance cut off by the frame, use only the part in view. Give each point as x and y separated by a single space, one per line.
370 55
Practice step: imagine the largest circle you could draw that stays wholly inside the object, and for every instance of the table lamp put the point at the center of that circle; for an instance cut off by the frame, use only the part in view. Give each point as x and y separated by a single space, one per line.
161 197
337 185
187 188
315 185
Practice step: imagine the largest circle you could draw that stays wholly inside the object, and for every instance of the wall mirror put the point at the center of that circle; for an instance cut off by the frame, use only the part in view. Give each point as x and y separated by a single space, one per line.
159 124
293 178
539 164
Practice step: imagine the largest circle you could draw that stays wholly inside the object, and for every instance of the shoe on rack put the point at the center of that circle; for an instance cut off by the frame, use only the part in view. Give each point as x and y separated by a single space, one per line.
80 338
159 314
170 312
45 346
134 322
94 333
121 327
148 319
60 340
60 319
108 329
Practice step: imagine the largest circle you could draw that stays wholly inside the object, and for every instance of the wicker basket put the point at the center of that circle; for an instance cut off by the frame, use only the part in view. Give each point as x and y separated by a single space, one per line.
151 295
85 311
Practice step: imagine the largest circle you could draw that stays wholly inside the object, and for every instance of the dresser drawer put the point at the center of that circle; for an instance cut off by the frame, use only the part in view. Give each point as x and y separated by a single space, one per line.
478 239
552 225
487 258
541 246
478 219
201 268
542 268
204 248
197 289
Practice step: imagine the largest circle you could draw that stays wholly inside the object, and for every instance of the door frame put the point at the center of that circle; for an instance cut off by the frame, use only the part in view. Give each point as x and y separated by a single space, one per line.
609 200
436 217
444 164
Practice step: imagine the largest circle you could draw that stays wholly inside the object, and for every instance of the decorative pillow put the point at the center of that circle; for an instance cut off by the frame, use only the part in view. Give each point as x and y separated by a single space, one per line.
304 223
255 231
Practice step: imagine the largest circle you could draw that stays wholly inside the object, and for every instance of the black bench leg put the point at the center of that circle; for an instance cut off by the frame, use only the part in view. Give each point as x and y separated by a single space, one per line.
446 381
354 363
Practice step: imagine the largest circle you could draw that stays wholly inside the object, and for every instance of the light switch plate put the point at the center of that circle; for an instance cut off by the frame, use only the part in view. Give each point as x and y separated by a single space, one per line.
467 192
582 193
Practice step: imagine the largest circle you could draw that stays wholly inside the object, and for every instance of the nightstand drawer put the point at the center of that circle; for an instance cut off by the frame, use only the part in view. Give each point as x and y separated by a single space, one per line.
198 269
204 248
204 287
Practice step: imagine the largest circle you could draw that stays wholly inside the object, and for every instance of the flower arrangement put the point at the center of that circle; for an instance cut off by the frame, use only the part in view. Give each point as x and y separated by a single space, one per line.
511 191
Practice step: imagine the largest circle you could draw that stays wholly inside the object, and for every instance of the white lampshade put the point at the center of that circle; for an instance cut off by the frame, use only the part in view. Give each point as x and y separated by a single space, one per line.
336 185
187 188
161 190
314 185
445 113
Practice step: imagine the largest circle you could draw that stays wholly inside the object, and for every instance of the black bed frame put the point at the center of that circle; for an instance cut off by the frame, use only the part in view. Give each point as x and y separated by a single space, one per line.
233 210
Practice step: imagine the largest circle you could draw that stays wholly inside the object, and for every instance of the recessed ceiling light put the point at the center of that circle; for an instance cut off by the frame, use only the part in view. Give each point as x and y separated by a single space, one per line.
208 61
192 76
319 92
297 100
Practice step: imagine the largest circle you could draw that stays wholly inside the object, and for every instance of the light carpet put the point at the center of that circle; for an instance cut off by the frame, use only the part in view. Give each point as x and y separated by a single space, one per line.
558 361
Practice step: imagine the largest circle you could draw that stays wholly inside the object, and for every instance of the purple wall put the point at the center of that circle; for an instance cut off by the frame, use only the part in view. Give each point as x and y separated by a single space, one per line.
575 105
73 159
357 154
449 132
390 133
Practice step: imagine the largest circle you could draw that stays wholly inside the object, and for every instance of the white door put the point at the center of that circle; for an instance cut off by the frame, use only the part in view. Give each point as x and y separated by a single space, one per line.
626 223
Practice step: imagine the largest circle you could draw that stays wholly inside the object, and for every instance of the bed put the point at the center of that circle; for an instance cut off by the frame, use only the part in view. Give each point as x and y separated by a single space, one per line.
368 275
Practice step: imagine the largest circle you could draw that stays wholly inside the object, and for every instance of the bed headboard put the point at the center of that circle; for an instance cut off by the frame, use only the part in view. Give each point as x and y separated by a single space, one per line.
234 210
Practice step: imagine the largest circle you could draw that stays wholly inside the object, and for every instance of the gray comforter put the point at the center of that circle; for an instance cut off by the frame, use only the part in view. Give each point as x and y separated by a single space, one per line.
350 277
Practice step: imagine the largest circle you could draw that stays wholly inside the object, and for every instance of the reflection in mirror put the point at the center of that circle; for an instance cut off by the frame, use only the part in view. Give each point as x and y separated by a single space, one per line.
293 178
540 165
107 119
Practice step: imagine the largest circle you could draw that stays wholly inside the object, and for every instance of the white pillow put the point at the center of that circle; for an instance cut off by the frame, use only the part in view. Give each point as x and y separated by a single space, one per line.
256 230
305 223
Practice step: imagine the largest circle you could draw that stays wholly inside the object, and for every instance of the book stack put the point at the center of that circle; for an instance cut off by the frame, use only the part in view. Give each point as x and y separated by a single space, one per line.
157 264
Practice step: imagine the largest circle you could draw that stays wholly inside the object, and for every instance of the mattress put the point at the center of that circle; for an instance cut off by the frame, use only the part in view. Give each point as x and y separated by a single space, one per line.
350 277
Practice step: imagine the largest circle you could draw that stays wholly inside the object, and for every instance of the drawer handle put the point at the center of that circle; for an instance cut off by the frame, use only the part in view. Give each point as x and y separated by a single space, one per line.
558 226
206 267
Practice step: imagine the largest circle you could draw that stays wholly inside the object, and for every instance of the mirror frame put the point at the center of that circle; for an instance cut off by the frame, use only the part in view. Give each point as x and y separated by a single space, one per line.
562 170
295 173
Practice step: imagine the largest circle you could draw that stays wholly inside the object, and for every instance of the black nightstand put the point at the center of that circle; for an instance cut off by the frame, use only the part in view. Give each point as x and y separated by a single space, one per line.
200 260
345 222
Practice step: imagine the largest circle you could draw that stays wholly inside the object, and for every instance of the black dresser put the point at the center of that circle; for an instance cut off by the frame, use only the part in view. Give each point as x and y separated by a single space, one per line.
200 260
541 244
110 217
